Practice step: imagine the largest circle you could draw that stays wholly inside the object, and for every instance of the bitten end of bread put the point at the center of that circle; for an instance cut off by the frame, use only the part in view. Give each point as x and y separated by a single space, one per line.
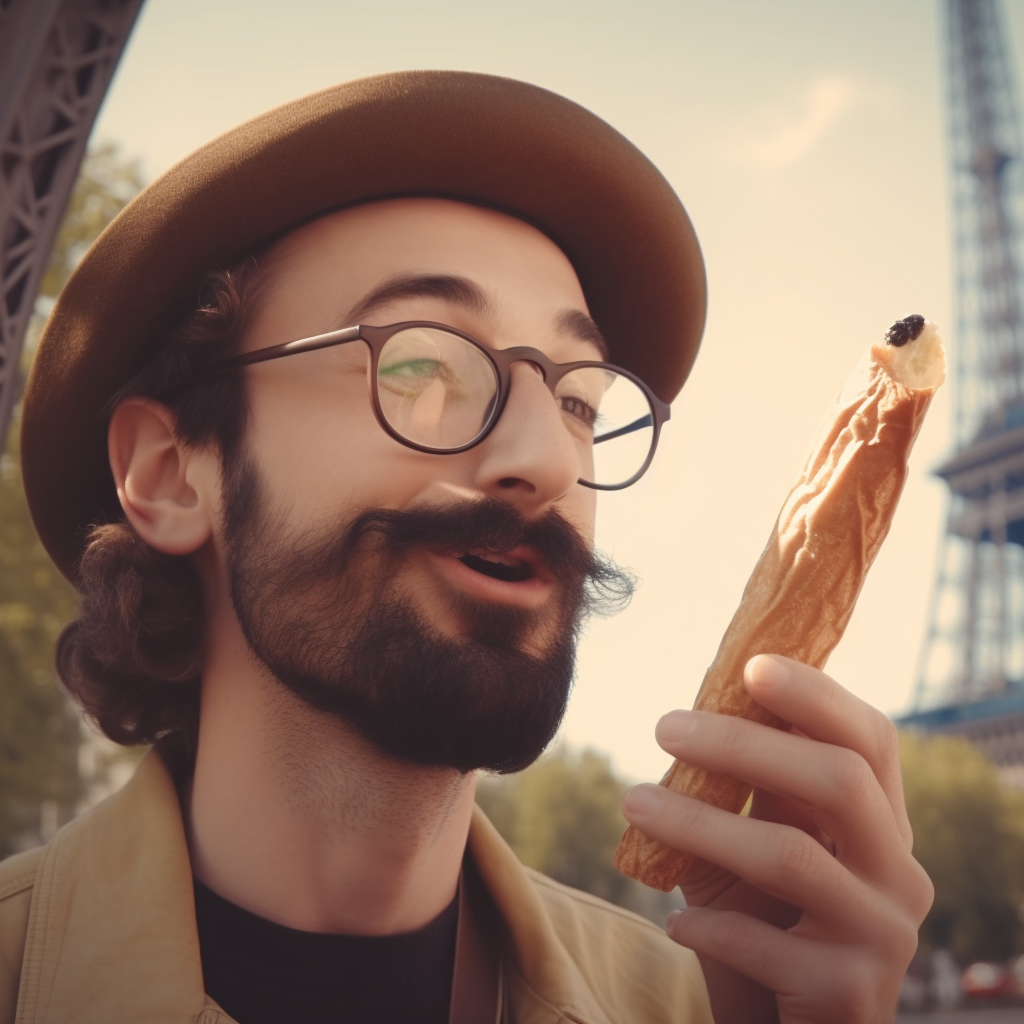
912 353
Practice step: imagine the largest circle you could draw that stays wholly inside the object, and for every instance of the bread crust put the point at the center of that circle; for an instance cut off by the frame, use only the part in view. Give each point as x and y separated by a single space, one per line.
802 591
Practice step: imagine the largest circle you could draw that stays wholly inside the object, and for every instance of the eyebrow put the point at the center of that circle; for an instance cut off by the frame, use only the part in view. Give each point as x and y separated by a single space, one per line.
461 291
577 324
458 291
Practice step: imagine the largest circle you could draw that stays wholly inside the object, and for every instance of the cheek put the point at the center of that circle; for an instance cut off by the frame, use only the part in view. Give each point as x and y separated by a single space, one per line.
580 508
321 450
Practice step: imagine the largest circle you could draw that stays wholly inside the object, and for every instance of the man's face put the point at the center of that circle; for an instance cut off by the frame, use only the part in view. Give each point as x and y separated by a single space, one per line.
433 600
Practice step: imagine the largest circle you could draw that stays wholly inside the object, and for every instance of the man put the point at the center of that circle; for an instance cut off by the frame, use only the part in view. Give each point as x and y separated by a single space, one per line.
360 367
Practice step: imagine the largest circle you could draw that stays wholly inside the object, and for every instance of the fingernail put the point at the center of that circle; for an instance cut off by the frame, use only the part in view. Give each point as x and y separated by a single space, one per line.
675 727
766 670
672 918
643 800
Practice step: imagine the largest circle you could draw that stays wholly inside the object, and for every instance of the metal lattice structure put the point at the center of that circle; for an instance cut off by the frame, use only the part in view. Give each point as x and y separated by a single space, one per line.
57 58
971 676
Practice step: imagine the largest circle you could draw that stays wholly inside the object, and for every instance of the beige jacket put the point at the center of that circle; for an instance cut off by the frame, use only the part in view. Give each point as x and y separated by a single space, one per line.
98 927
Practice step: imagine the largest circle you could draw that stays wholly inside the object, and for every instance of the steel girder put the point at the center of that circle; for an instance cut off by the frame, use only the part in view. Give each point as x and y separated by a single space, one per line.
57 58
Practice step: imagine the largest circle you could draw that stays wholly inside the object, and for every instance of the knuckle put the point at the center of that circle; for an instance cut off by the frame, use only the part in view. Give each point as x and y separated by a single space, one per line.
726 934
863 990
851 773
699 815
921 893
731 939
797 854
731 736
886 740
900 932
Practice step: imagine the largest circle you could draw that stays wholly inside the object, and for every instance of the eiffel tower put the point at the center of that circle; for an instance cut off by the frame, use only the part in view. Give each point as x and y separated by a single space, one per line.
971 671
57 58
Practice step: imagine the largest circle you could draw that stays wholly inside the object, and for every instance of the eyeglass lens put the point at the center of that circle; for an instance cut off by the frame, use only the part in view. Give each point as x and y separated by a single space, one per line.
438 390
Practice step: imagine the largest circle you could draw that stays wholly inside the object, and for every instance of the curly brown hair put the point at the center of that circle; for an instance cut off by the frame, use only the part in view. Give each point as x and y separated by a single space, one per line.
132 658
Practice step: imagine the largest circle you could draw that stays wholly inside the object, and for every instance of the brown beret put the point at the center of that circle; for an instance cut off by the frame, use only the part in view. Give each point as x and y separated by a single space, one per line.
437 133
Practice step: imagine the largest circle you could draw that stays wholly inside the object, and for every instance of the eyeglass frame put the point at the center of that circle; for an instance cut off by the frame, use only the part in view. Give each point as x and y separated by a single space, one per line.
501 359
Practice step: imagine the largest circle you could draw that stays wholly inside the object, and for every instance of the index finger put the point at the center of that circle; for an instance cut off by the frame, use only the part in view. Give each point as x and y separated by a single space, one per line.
822 709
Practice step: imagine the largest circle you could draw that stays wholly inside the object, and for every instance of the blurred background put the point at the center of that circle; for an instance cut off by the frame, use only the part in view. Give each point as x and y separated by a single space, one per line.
844 165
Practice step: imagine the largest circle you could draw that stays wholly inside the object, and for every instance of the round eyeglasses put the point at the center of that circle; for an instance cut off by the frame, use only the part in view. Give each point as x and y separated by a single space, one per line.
437 390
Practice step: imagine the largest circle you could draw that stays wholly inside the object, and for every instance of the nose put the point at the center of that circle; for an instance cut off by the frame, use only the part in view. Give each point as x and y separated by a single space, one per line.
529 458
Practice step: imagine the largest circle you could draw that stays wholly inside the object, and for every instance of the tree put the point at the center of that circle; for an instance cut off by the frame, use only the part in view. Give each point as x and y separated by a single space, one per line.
561 816
39 730
969 837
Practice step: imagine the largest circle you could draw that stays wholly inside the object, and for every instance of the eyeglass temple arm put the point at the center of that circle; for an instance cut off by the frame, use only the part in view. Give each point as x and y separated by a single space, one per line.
644 421
291 347
261 355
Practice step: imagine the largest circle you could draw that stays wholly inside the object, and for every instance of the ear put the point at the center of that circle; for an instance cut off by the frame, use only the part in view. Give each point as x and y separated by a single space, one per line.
167 491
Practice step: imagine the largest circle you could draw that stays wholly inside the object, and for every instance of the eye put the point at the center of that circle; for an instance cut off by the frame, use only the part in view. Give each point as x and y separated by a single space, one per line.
579 409
414 377
411 369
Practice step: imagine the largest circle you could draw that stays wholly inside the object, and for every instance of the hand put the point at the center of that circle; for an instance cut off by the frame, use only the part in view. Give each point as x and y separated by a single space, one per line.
814 896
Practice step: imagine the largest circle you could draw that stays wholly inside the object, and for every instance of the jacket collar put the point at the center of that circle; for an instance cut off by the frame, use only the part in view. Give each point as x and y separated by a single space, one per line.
112 930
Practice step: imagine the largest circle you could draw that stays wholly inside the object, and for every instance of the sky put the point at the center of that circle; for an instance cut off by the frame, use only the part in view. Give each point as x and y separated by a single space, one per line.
806 140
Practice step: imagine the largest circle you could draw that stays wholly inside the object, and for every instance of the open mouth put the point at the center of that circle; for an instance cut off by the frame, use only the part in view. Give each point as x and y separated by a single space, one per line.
498 566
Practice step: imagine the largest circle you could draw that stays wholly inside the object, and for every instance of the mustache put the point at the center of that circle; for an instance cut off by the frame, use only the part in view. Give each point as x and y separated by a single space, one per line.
495 525
589 579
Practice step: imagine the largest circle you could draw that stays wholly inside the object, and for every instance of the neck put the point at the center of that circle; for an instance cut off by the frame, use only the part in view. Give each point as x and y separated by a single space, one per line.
292 815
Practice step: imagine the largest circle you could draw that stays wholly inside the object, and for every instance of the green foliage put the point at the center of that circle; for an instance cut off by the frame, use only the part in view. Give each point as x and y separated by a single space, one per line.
562 817
39 731
969 837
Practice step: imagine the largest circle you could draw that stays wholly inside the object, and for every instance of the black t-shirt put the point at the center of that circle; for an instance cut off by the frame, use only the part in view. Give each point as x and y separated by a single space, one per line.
264 973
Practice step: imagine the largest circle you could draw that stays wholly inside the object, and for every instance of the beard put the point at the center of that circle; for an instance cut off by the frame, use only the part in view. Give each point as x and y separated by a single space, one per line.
320 610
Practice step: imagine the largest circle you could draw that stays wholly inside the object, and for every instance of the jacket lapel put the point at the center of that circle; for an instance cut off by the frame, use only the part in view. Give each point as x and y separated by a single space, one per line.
112 933
546 984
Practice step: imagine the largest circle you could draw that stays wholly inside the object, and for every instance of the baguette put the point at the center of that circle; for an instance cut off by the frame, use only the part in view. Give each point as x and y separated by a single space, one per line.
803 589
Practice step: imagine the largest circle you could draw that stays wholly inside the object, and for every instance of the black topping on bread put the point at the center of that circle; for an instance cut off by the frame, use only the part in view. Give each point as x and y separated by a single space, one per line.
907 329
